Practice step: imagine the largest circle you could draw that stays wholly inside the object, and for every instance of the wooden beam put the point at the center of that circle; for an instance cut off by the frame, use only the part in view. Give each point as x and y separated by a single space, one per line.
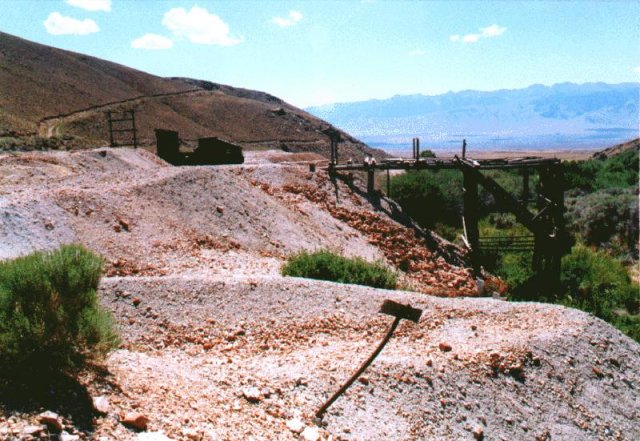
524 216
470 207
371 180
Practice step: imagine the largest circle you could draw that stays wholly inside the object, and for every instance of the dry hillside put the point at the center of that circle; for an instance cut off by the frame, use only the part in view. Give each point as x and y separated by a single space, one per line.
53 92
634 144
218 346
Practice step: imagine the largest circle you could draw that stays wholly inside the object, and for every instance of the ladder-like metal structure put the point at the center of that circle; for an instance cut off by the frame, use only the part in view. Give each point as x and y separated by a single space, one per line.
119 123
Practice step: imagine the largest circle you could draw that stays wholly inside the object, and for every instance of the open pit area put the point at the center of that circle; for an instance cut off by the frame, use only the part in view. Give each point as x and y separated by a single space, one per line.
217 345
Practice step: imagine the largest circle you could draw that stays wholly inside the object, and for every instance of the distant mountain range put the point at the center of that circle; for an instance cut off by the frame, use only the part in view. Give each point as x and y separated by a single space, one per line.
567 115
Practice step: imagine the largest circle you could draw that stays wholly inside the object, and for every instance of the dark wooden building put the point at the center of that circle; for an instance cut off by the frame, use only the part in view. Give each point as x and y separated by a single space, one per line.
217 151
210 151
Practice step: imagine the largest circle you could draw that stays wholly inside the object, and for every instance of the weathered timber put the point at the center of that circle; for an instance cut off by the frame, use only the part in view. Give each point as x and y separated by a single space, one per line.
550 240
449 164
210 151
470 215
503 197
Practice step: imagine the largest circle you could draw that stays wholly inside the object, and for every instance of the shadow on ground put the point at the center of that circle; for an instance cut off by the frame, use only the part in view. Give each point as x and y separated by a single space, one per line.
61 393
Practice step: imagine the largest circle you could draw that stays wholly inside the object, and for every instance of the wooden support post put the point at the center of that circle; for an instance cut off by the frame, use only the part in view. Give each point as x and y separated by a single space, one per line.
133 127
470 209
525 185
334 139
552 244
559 243
333 151
388 182
110 124
370 180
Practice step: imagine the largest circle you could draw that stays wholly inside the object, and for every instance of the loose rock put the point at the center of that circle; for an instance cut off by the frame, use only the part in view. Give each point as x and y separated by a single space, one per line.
310 433
52 420
252 394
101 405
295 425
33 430
66 436
135 420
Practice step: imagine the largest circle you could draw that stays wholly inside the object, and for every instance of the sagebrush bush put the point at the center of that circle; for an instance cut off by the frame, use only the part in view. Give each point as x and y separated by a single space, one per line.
433 198
597 283
430 197
50 318
607 219
619 171
325 265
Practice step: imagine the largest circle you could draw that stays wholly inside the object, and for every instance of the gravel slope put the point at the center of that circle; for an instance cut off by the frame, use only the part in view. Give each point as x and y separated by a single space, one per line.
217 345
514 371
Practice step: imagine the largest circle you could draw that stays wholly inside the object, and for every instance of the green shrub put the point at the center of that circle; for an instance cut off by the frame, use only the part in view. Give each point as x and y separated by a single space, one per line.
434 198
325 265
607 219
49 313
514 268
430 197
618 171
597 283
581 174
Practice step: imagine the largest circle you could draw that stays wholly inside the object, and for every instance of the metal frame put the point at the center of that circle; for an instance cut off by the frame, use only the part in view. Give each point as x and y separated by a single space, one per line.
125 123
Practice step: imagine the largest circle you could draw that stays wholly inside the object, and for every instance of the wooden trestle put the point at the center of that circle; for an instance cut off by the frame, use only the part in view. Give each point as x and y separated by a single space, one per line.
549 239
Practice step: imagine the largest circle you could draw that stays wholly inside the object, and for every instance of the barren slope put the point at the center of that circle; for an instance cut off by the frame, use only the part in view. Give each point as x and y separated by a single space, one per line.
37 81
193 257
53 92
634 144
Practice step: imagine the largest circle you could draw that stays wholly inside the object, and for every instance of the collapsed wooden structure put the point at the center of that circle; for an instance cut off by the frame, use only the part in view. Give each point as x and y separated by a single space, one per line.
548 239
210 151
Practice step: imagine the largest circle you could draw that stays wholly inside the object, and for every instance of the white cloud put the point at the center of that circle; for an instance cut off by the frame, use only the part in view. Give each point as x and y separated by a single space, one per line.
293 18
636 69
471 38
417 53
489 32
58 24
199 26
492 31
152 41
91 5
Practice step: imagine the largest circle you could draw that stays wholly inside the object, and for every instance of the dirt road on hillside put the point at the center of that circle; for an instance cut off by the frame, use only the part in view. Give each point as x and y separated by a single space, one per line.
47 126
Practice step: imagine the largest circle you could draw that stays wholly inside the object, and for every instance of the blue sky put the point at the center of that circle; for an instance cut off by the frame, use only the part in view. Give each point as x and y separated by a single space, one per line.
318 52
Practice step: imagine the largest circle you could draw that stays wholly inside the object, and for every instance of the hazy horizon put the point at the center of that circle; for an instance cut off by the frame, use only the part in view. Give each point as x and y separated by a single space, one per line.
323 52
